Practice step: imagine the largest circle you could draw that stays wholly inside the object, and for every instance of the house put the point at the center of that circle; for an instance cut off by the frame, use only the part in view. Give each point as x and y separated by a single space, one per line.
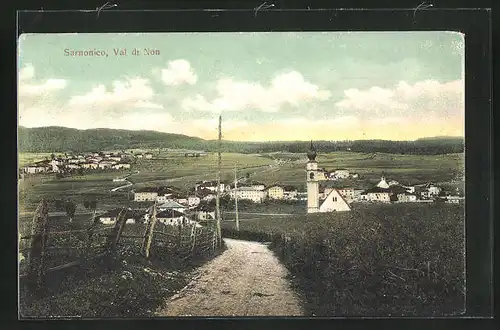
149 194
253 185
32 169
347 193
334 202
203 213
393 183
341 174
162 198
106 164
290 193
209 185
115 158
92 166
205 194
453 199
121 166
354 175
148 155
253 194
406 197
171 217
276 192
73 160
377 194
73 166
139 155
172 205
194 200
433 190
110 217
410 189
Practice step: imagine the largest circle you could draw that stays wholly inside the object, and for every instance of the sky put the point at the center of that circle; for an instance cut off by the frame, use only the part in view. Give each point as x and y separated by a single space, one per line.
267 86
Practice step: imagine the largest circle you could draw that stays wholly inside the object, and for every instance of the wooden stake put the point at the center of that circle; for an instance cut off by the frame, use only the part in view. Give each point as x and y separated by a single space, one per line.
90 234
148 237
194 239
36 267
116 232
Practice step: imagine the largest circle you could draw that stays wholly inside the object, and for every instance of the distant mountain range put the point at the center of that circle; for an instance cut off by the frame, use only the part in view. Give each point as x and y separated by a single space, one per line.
63 139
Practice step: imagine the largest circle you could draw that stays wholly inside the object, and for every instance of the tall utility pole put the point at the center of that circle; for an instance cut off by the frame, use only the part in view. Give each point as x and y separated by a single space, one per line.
236 199
217 200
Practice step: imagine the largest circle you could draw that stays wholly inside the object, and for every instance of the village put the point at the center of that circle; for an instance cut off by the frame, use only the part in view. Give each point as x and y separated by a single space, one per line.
197 207
68 163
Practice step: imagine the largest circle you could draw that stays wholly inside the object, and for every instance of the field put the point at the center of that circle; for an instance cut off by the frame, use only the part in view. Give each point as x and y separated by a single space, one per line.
378 260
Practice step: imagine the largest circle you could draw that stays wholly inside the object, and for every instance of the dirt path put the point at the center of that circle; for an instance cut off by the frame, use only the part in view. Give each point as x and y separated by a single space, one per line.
246 280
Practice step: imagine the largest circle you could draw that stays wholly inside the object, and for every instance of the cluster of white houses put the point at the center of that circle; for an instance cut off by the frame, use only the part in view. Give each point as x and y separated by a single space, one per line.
323 194
207 190
90 161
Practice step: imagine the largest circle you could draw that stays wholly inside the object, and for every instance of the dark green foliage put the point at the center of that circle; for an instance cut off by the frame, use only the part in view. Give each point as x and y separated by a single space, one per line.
61 139
398 260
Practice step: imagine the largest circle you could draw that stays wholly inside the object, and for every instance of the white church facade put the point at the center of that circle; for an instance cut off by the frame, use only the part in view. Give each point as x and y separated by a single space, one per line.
334 200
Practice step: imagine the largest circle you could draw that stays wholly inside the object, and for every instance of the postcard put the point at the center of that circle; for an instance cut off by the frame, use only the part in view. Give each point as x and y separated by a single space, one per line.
241 174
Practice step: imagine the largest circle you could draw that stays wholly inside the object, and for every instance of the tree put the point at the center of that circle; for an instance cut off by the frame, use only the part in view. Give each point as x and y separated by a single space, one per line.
86 204
93 204
52 156
70 209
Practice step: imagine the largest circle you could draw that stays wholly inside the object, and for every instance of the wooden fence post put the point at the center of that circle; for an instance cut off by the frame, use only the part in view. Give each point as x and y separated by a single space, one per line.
36 267
193 235
116 232
148 235
90 234
214 239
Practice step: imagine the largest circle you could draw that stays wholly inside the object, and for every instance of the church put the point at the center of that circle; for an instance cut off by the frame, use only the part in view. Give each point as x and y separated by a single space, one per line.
333 201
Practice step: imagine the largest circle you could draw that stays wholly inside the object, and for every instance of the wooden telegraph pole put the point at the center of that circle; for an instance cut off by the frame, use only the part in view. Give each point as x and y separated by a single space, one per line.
217 200
236 199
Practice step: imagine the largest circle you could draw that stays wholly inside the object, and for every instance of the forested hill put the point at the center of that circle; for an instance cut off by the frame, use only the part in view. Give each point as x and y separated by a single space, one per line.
62 139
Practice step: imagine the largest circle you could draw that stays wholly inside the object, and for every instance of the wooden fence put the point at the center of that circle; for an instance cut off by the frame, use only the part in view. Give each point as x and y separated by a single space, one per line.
51 251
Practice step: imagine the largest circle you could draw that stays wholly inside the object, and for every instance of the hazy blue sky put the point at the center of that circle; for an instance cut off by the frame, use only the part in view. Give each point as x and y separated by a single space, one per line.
267 86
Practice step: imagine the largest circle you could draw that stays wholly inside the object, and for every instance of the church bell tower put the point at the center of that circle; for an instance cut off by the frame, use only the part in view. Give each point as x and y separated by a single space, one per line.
312 179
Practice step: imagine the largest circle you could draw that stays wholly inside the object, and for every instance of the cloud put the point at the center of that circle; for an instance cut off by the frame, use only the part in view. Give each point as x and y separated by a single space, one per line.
177 73
424 97
287 88
133 91
26 73
29 88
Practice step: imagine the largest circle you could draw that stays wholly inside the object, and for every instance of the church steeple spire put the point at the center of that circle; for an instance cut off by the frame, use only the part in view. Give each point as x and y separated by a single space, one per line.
311 154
